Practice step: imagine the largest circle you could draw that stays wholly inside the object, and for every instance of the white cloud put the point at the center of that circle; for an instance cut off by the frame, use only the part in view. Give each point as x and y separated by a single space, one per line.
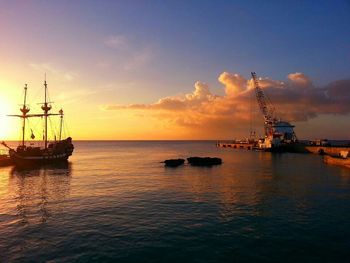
129 54
117 42
300 79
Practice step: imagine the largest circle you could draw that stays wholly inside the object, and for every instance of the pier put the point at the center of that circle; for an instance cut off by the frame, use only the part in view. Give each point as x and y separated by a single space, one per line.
237 145
294 147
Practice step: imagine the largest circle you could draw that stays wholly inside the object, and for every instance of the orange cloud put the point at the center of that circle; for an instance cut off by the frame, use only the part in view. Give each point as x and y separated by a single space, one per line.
190 101
234 83
299 79
207 114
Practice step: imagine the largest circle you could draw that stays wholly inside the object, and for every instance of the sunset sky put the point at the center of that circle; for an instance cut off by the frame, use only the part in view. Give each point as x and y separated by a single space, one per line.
177 69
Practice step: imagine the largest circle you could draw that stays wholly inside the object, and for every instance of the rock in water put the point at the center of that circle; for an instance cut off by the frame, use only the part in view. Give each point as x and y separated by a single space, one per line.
204 161
174 162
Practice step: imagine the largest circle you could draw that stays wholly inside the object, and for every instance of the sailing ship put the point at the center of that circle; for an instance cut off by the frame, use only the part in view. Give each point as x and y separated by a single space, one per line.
56 151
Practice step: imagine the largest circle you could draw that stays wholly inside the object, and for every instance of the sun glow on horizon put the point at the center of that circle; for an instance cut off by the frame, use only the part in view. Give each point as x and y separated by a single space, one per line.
6 124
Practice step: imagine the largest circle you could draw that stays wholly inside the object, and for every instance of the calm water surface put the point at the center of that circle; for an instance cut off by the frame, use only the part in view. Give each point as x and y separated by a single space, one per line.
115 202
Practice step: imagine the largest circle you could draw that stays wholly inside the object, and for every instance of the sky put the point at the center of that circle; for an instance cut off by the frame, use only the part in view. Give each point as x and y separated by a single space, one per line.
164 70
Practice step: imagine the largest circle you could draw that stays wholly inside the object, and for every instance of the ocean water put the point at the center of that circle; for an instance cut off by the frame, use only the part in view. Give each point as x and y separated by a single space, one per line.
115 202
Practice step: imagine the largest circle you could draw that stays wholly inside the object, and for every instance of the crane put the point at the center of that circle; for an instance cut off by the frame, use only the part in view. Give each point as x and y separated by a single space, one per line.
266 107
276 131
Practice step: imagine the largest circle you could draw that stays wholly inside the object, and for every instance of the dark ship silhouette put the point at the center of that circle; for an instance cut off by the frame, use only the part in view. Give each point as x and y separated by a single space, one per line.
53 152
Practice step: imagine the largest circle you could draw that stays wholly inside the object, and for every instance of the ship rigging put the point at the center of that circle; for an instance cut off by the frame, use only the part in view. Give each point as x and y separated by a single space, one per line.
52 152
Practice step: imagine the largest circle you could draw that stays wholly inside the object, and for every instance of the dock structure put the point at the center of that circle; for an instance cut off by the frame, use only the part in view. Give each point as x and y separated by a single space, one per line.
292 148
279 135
236 145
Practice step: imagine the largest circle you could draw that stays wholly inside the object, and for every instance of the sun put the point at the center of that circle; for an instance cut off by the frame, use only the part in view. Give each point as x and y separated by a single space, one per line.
6 123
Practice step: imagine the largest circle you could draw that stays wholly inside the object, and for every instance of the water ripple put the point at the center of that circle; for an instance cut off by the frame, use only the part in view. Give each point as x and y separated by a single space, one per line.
115 201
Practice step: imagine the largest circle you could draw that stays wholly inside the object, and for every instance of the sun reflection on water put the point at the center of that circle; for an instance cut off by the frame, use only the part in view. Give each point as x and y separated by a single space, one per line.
38 192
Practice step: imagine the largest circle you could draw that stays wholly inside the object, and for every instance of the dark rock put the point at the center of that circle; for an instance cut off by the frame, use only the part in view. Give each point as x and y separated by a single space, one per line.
174 162
204 161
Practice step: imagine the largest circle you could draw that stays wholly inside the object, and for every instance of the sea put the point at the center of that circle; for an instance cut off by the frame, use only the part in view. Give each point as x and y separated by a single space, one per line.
116 202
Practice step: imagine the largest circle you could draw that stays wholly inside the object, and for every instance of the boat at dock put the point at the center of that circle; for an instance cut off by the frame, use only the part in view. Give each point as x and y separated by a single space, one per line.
55 151
279 135
343 159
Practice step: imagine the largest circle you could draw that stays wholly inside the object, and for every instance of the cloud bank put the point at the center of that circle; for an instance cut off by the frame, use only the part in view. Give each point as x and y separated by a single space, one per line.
295 100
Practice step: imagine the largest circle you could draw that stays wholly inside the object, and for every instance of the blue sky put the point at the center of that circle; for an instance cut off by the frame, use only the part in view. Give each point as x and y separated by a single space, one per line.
204 37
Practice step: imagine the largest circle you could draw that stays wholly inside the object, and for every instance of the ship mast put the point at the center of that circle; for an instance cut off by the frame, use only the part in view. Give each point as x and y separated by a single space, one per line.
24 111
46 109
61 123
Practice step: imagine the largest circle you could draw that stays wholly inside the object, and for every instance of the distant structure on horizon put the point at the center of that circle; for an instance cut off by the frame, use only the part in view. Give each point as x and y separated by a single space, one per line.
276 131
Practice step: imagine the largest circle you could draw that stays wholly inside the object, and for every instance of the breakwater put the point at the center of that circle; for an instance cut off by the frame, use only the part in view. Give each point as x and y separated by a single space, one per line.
329 150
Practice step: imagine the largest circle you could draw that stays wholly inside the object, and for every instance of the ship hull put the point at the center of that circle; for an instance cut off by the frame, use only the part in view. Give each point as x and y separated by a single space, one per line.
31 161
289 147
57 152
